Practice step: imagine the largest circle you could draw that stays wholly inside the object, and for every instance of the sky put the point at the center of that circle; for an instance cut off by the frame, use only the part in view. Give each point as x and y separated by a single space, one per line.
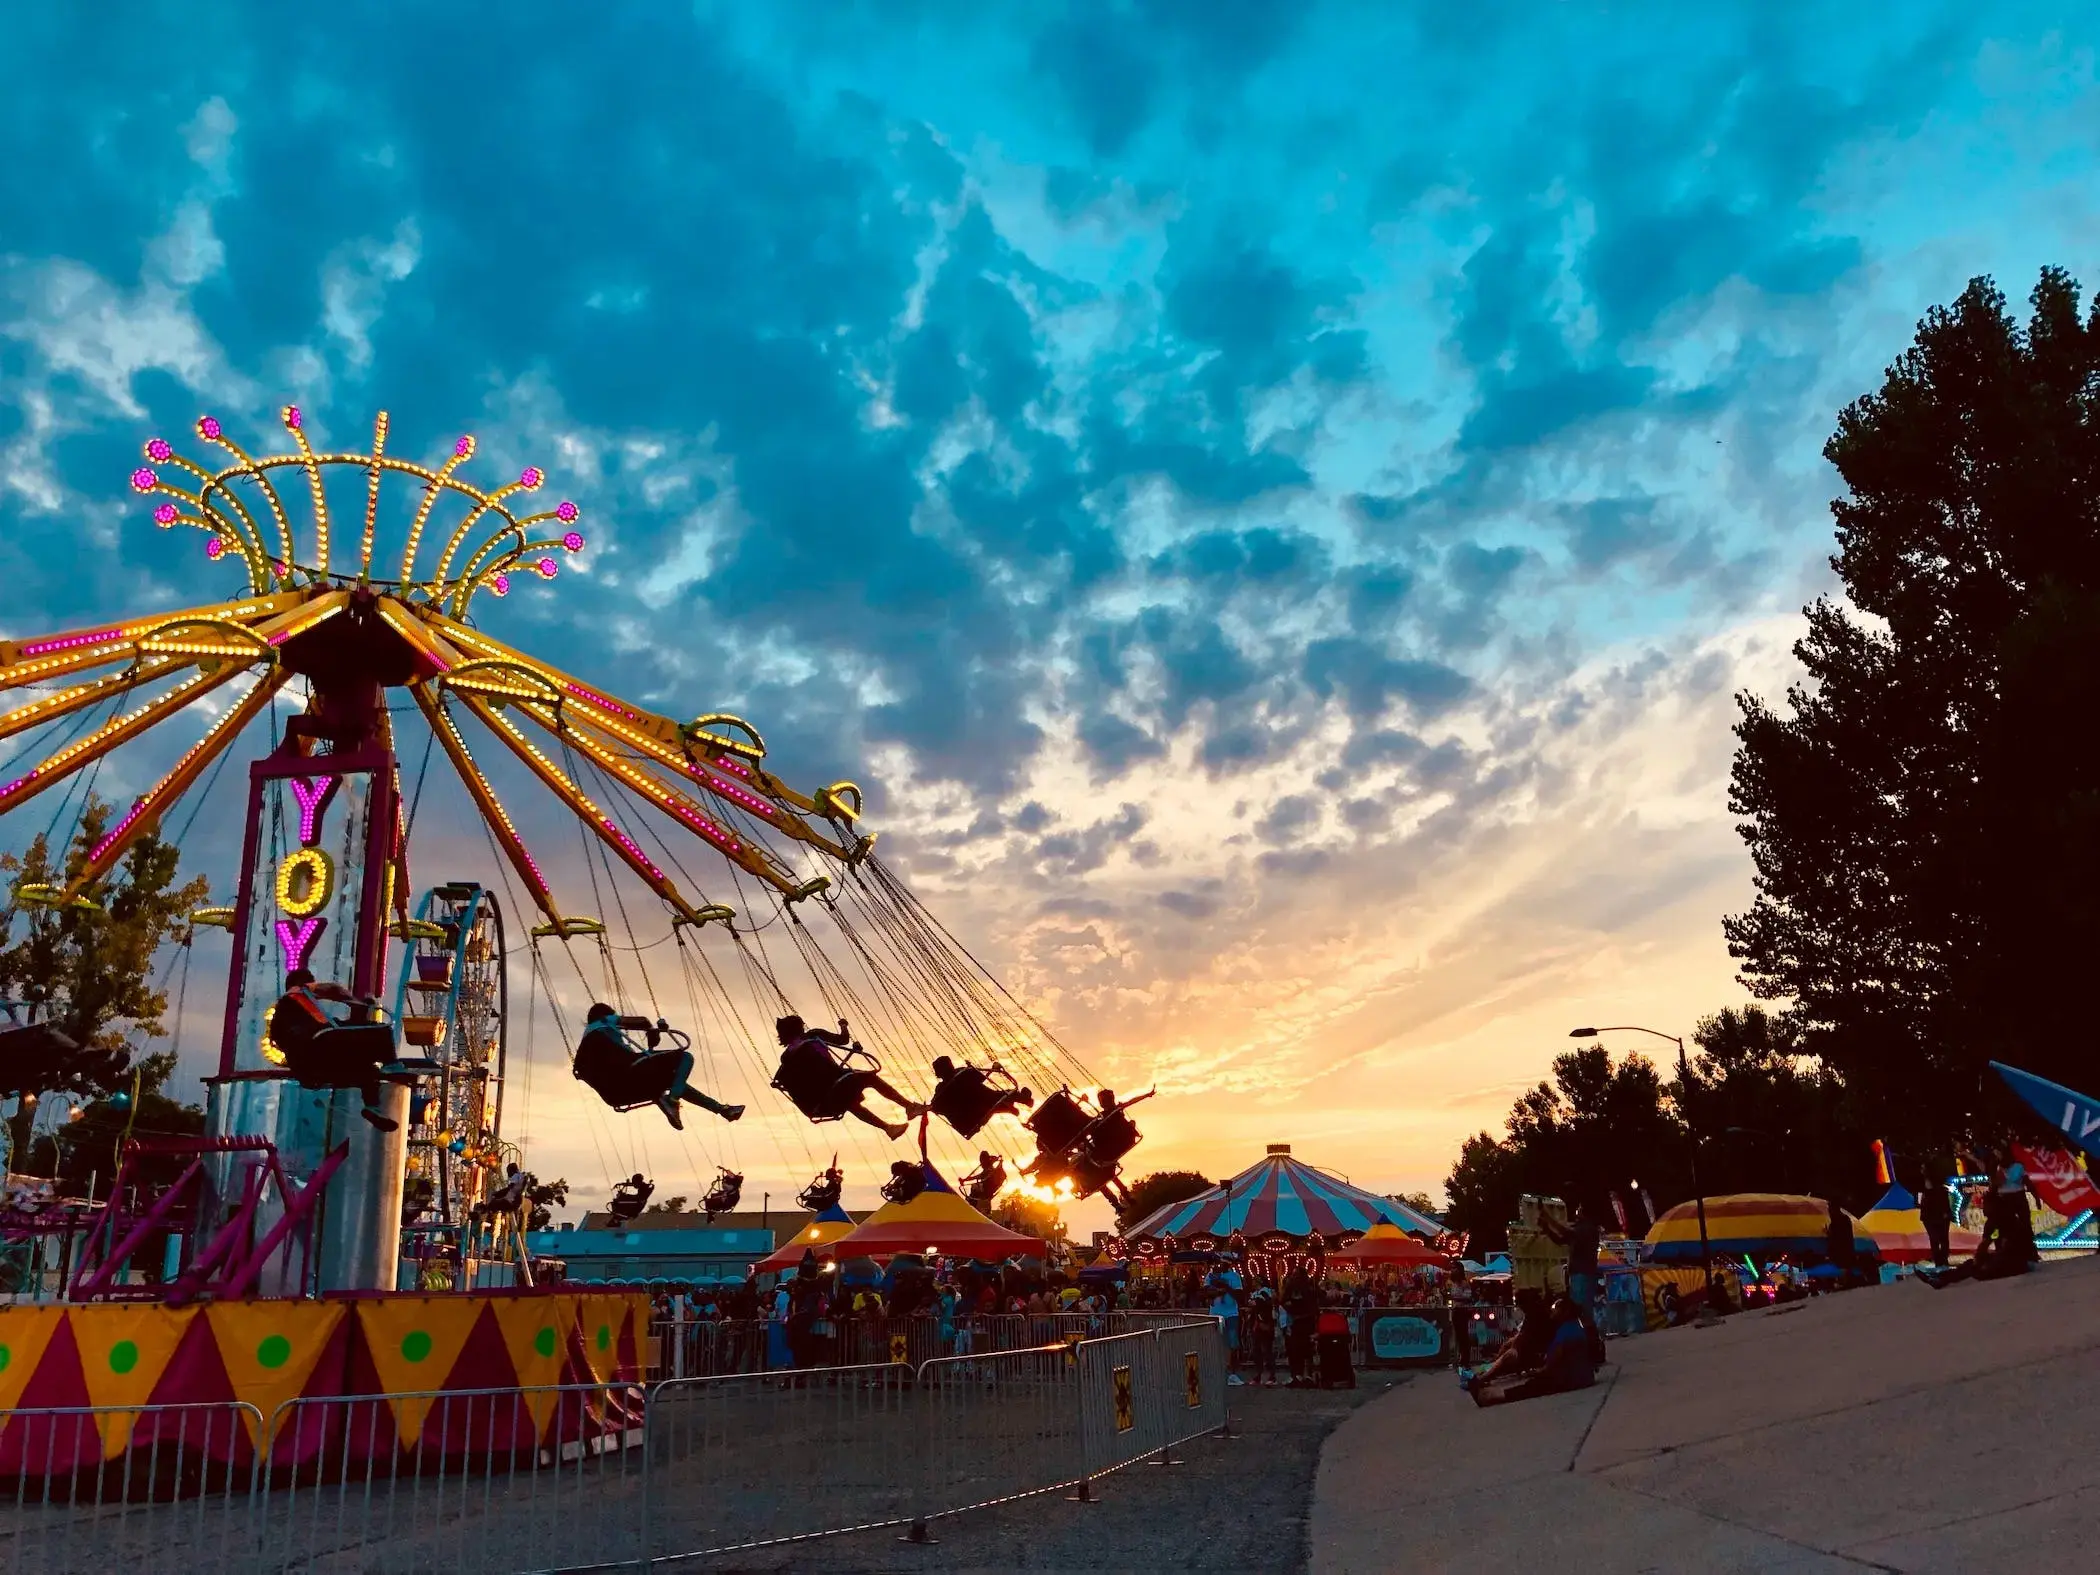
1273 501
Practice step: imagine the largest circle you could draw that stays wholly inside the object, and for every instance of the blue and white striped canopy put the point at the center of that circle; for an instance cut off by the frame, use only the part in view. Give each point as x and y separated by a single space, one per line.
1280 1196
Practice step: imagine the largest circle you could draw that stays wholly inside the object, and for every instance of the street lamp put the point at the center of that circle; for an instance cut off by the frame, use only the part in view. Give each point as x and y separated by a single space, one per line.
1684 1079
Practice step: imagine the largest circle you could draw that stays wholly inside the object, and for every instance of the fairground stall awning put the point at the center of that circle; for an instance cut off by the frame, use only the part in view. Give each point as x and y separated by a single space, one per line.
1387 1244
816 1236
1759 1225
935 1222
1279 1196
1899 1230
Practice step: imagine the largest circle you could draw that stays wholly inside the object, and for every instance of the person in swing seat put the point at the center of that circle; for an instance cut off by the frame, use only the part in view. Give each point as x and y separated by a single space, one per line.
965 1097
983 1184
320 1052
823 1086
622 1074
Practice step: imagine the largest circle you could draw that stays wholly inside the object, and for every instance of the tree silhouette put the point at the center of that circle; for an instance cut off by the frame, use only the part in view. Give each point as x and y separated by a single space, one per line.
1923 810
85 969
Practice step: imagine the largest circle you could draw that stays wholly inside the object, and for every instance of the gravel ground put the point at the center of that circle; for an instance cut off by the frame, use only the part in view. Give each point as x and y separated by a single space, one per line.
1238 1504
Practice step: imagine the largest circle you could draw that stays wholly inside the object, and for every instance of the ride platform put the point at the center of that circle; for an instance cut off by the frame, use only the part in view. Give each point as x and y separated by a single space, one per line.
418 1356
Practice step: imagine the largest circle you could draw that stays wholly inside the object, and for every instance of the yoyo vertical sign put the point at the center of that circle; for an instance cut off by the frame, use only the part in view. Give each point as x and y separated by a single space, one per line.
313 896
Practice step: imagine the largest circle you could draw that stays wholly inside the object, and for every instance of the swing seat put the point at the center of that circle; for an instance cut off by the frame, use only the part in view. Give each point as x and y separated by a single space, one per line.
346 1056
641 1083
1057 1122
821 1085
967 1102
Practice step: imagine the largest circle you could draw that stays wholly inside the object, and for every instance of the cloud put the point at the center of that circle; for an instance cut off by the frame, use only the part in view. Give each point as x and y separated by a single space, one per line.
1245 487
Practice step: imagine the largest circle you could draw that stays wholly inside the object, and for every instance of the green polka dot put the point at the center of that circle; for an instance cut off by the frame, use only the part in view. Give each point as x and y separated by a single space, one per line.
415 1347
123 1356
605 1337
275 1351
543 1342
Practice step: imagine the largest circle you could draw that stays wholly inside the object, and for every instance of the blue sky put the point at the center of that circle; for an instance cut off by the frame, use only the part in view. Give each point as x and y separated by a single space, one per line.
1273 499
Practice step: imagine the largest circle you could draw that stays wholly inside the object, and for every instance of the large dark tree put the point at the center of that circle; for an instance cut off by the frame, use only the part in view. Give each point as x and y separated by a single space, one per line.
1770 1118
1923 810
86 969
1600 1127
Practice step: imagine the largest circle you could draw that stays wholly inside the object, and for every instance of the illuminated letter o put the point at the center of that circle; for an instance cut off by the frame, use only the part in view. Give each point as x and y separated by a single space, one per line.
305 882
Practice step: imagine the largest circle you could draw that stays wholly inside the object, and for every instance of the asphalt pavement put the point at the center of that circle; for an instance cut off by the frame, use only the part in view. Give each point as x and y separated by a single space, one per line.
1890 1428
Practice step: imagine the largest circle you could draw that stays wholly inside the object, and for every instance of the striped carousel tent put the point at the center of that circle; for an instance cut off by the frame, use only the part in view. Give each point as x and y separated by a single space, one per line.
1279 1196
816 1236
1759 1225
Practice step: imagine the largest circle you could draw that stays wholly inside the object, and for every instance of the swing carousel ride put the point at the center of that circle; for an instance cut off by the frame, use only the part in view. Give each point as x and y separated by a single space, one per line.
790 911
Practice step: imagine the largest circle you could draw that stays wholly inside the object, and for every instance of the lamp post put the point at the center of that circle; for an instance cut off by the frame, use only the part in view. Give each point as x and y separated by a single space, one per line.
1684 1079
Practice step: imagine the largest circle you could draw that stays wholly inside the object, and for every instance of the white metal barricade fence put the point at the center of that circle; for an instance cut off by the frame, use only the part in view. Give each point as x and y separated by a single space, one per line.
488 1482
997 1427
580 1477
109 1487
750 1459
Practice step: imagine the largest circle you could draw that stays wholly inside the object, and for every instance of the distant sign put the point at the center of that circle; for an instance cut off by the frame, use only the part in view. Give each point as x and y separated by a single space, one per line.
1396 1338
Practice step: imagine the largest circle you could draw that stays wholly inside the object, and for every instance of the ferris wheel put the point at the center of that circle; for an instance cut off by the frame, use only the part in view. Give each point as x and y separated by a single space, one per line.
790 912
452 1002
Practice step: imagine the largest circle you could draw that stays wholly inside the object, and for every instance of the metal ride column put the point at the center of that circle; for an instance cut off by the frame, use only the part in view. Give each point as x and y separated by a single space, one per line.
315 889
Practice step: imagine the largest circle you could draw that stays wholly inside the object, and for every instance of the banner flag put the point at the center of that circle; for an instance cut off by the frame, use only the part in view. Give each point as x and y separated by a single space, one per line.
270 1348
2057 1180
536 1329
600 1322
124 1348
414 1340
2075 1115
25 1330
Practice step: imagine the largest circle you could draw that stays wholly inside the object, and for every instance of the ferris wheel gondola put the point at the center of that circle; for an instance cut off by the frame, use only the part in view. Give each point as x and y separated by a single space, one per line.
452 1002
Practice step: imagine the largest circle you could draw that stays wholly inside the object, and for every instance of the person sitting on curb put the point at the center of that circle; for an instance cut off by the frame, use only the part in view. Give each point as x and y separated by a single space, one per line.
1568 1365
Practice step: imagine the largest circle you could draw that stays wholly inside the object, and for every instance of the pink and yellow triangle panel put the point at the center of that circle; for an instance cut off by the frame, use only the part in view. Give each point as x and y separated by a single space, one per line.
81 1384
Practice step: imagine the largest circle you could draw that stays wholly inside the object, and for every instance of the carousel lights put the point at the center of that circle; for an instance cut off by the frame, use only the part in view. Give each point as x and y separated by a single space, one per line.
214 549
573 540
305 882
531 477
290 416
164 515
464 448
500 585
209 429
143 480
547 568
159 450
566 512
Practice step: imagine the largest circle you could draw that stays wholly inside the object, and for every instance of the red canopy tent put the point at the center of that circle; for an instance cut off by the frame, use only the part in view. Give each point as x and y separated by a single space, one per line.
817 1236
1387 1245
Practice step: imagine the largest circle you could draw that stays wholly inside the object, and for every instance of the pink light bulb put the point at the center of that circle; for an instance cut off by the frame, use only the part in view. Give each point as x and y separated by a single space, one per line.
164 515
291 417
548 568
464 448
208 428
573 541
566 512
530 478
500 585
158 451
143 480
214 548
